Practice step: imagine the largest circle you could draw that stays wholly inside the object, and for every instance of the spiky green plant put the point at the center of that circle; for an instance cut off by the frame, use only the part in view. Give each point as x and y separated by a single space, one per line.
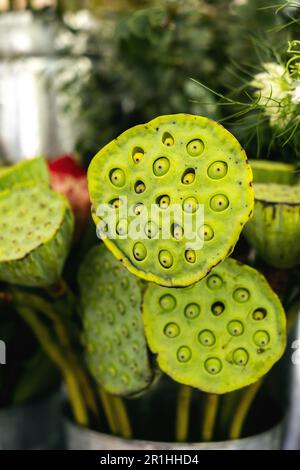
180 161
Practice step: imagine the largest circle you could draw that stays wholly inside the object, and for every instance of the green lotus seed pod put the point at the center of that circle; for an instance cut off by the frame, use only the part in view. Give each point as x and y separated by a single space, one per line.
179 164
115 345
265 171
221 334
36 228
274 230
26 170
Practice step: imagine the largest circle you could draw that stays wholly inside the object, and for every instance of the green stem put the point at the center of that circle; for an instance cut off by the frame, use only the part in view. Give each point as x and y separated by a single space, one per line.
210 414
242 410
42 335
108 410
121 417
183 413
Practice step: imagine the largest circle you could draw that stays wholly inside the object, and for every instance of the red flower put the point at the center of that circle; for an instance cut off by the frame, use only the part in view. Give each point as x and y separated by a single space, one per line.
69 178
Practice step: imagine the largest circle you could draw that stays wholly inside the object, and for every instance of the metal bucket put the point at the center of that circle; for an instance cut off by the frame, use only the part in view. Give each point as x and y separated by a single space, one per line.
31 121
32 426
78 438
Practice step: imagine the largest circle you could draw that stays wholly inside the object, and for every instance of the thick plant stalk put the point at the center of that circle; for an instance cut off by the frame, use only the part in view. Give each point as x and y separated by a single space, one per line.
41 333
210 414
242 410
108 410
183 413
41 305
121 417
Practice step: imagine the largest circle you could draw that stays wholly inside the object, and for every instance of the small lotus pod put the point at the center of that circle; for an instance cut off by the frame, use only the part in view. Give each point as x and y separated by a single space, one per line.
274 230
26 170
219 335
36 226
265 171
114 340
168 171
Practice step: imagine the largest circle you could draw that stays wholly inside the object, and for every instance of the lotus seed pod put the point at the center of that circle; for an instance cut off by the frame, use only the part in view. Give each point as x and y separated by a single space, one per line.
36 227
26 170
115 344
168 171
265 171
221 334
274 230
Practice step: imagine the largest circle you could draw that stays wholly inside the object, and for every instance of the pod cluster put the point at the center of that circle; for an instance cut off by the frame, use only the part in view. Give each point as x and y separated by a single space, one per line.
185 161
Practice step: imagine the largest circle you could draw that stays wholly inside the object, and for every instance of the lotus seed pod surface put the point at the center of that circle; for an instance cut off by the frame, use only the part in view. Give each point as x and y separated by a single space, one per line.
274 230
221 334
175 166
114 340
26 170
36 226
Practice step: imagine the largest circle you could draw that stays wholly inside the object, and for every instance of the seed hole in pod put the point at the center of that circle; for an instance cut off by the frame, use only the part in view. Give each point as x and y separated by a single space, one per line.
115 203
261 338
195 147
110 289
165 259
137 154
235 328
167 302
161 166
206 338
139 251
125 379
190 256
259 314
122 227
217 170
188 176
117 177
110 318
192 311
113 371
213 365
177 231
240 357
219 202
190 205
151 229
138 208
121 307
241 295
184 354
139 187
123 359
117 339
167 139
163 201
124 283
135 347
217 308
214 282
171 330
133 366
206 233
125 331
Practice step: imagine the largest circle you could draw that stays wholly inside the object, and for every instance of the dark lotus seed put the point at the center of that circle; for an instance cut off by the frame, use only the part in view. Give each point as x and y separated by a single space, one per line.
161 166
261 338
241 295
219 203
217 170
207 338
213 365
235 328
139 251
165 259
139 187
206 233
151 229
259 314
217 308
190 205
188 176
117 177
138 208
167 139
171 330
240 357
184 354
195 147
190 256
177 231
192 311
115 203
137 154
163 201
167 302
